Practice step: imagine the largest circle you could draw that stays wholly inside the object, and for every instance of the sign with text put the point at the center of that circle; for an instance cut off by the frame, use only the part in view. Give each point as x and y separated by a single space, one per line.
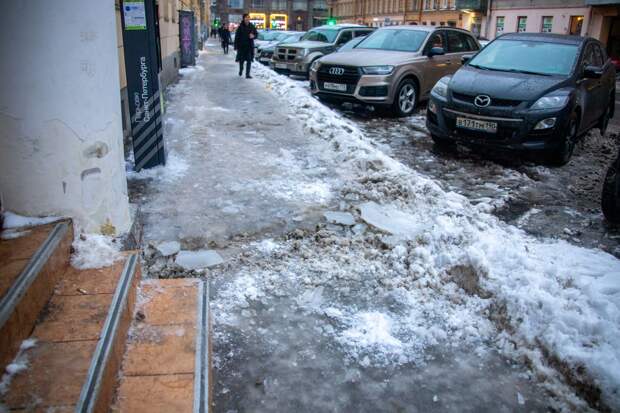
141 67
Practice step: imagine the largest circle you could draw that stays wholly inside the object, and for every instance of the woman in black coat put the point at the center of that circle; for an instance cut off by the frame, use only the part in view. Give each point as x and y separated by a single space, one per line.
225 36
244 45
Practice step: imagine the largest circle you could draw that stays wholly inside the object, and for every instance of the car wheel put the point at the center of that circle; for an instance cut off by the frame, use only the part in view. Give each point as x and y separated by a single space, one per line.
561 155
406 98
610 200
603 122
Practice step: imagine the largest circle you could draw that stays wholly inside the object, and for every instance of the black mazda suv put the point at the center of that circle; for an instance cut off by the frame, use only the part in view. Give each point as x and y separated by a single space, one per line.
526 92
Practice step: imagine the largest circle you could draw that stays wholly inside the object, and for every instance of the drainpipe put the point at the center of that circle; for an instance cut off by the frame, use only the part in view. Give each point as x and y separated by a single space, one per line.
420 4
488 19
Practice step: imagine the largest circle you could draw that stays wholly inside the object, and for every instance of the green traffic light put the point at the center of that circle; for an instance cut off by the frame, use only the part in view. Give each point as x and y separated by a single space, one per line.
331 21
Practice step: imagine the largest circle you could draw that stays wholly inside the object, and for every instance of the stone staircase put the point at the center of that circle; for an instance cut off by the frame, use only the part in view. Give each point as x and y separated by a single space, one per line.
97 340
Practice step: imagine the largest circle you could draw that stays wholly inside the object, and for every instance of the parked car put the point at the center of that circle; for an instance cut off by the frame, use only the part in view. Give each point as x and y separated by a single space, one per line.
265 53
610 201
265 36
394 67
526 92
296 58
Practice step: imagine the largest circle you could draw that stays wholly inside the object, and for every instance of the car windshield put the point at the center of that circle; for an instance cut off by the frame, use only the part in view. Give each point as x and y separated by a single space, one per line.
403 40
268 36
321 35
526 56
281 36
291 39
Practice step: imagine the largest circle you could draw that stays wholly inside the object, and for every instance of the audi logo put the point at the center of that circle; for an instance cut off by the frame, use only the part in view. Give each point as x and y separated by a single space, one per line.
336 71
482 101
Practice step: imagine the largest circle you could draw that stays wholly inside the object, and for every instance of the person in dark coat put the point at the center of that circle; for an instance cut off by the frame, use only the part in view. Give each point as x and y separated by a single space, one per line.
244 45
225 36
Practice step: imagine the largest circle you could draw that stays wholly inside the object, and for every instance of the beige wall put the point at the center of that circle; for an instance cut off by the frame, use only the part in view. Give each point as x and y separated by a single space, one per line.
169 26
561 19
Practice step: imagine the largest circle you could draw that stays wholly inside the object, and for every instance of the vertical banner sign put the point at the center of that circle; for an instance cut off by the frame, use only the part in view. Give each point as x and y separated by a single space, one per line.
187 38
140 45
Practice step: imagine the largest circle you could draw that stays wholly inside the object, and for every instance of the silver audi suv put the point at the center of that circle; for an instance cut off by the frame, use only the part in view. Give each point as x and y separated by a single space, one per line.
393 68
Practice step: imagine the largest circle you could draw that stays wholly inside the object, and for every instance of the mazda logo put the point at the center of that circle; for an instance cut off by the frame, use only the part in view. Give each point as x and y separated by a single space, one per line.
336 71
482 101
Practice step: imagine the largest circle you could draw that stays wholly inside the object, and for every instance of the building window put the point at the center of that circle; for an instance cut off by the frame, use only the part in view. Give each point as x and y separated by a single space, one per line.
235 4
428 4
521 24
547 24
278 5
451 23
300 5
499 25
576 22
318 5
258 4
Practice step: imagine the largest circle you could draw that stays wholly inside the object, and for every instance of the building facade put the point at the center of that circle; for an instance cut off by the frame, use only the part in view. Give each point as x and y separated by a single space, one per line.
379 13
273 14
549 16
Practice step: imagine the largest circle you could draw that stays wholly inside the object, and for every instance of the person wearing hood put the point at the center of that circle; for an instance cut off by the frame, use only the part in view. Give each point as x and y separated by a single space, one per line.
244 45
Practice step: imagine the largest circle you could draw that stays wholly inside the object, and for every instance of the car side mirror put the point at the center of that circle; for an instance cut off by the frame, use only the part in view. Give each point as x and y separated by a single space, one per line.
436 51
466 58
593 72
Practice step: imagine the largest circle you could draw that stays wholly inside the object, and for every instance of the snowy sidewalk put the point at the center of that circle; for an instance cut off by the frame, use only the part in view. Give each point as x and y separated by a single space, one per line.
237 162
421 302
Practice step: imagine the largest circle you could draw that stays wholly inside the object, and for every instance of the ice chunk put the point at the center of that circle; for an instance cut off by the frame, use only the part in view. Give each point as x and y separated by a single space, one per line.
195 260
169 248
389 219
340 218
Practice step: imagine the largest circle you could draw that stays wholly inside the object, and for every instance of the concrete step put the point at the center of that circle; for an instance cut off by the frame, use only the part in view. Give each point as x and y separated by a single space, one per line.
166 367
29 269
80 339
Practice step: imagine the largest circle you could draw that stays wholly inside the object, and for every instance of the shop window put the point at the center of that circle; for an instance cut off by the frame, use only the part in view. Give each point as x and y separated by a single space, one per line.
547 24
499 25
521 24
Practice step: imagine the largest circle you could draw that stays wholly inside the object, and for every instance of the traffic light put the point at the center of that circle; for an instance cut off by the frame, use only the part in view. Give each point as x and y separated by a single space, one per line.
331 21
216 22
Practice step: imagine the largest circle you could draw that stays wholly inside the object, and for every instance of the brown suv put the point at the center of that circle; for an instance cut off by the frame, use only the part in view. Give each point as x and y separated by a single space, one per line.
395 67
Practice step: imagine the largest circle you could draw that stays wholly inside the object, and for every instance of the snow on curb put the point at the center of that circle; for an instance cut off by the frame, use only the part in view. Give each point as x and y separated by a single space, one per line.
551 296
12 220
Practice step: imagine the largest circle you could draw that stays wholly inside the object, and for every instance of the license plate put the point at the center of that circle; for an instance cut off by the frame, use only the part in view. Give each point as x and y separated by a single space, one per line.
475 124
335 86
264 59
281 66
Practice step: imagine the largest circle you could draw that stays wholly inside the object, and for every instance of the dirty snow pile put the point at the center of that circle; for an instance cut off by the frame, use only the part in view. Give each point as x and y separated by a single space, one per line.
95 251
554 301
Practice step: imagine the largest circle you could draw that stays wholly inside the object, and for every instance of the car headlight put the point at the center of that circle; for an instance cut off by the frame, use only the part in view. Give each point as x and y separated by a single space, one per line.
377 70
315 65
550 102
441 87
303 52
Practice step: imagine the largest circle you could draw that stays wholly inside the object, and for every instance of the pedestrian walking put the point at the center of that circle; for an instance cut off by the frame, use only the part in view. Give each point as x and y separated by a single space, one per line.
226 39
244 45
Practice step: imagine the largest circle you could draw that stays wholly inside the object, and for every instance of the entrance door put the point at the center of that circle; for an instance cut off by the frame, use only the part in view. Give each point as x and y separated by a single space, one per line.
576 22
